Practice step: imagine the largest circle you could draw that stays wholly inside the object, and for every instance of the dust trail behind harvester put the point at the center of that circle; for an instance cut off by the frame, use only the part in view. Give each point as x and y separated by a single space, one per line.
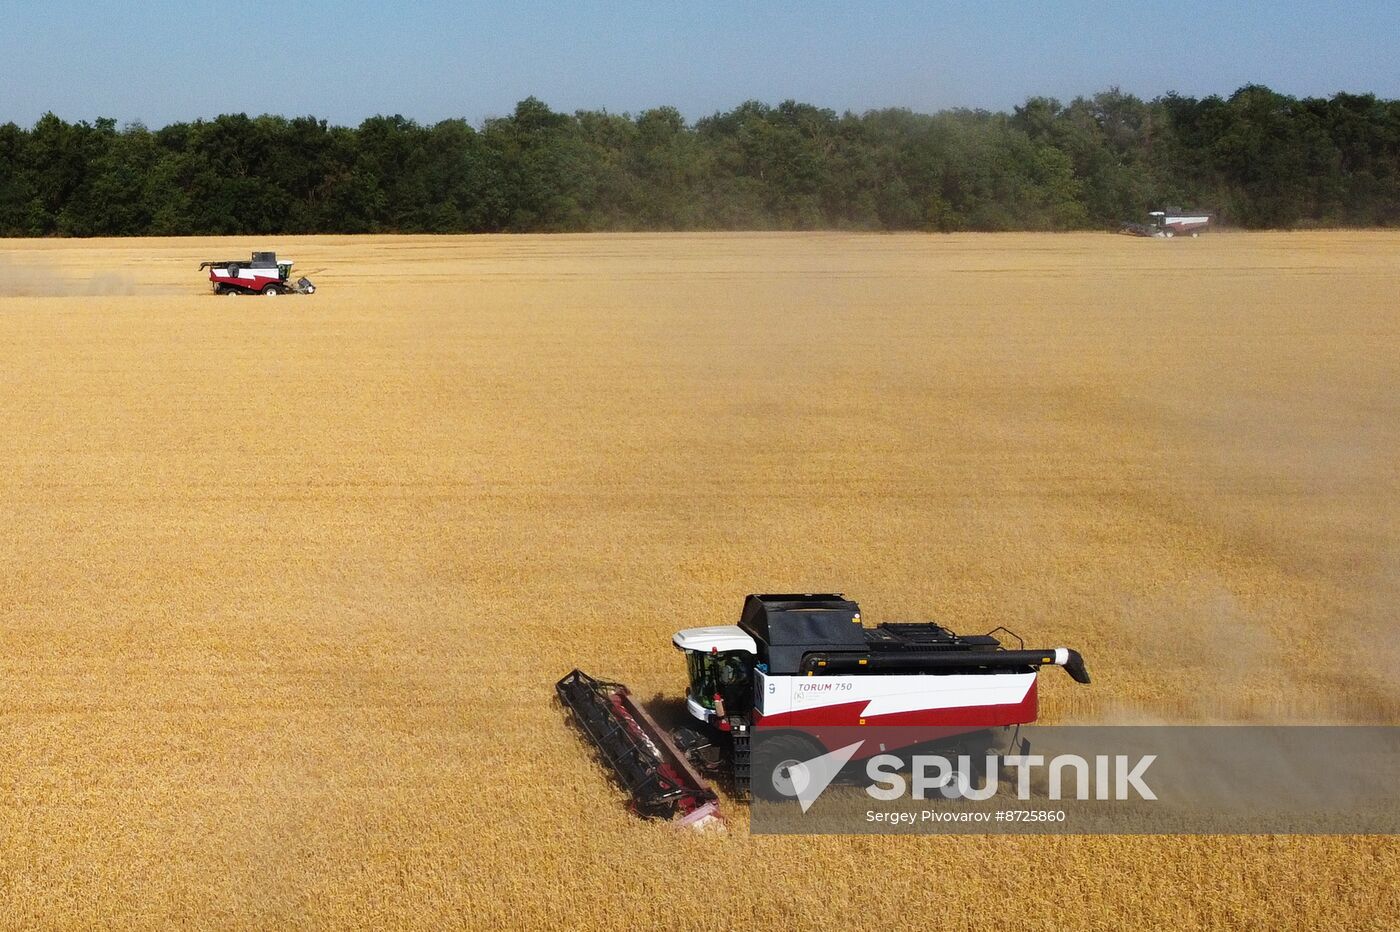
1291 618
28 278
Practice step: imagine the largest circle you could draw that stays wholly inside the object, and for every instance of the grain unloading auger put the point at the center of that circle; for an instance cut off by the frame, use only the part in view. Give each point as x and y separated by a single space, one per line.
801 670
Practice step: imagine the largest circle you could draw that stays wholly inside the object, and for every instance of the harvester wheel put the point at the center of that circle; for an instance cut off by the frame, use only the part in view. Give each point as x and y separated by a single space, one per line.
772 773
271 291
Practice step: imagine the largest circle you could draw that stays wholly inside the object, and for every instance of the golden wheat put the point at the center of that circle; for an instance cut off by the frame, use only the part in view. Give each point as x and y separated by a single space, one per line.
286 583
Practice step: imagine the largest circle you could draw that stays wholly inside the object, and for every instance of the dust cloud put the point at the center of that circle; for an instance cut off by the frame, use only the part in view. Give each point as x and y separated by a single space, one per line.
37 279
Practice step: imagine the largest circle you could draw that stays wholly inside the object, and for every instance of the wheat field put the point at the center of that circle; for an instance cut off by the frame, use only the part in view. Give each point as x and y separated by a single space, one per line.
285 583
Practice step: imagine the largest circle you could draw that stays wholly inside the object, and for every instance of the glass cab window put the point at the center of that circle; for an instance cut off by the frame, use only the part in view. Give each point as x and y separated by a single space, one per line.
725 673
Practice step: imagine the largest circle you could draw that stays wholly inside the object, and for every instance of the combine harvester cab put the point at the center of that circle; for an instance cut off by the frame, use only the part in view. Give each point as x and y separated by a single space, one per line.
262 274
801 671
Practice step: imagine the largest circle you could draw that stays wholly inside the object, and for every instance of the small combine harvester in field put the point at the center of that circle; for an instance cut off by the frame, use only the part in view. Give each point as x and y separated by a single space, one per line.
796 667
262 274
1165 224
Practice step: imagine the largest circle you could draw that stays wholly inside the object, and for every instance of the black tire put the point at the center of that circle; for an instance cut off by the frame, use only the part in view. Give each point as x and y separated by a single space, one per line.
233 292
773 755
272 291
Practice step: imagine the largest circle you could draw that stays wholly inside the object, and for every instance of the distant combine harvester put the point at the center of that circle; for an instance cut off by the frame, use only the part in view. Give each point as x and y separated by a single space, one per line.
262 274
1165 224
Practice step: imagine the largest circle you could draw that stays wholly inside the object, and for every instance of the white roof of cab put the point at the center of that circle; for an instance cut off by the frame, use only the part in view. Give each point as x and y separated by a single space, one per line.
715 637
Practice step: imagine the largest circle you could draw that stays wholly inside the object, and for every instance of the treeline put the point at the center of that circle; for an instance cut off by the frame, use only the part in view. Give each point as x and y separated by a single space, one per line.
1258 159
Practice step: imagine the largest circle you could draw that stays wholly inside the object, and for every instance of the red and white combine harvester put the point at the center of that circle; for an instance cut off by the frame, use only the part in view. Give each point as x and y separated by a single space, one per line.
802 671
262 274
1165 224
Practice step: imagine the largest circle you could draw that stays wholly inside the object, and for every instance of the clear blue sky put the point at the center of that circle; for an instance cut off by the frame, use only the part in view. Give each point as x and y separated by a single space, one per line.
430 59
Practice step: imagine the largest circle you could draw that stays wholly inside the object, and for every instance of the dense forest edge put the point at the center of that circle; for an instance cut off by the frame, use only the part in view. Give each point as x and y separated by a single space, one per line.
1257 159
